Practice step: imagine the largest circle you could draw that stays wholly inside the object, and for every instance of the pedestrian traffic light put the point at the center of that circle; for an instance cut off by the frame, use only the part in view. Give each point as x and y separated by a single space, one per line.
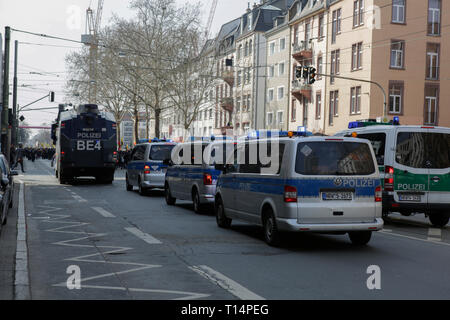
312 75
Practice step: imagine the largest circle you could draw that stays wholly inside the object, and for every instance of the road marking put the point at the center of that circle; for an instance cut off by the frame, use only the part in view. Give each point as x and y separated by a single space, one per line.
226 283
78 198
414 238
103 212
21 282
143 236
434 234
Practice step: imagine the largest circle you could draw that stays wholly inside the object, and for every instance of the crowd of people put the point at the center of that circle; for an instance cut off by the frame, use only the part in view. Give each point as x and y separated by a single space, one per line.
123 157
17 155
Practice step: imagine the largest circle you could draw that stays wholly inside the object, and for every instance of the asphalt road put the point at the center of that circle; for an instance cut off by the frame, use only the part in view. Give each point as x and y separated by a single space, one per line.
131 247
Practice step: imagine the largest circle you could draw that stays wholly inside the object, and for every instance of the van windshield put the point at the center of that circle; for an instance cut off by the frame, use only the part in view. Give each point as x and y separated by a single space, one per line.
423 150
334 158
161 152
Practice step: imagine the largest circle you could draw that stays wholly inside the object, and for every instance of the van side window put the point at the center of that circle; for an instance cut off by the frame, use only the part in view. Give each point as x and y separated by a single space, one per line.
378 141
249 166
138 154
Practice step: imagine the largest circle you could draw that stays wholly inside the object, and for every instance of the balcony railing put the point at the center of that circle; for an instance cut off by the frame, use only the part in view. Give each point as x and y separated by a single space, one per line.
227 104
302 50
228 77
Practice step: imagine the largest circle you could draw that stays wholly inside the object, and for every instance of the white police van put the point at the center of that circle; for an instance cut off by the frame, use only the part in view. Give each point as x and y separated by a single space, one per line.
304 184
414 162
192 175
146 168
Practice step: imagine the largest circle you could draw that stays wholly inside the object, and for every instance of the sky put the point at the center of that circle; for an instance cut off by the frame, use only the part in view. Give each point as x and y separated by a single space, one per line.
41 61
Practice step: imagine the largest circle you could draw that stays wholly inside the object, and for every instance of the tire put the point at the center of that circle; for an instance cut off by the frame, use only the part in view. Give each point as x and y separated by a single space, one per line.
271 232
360 238
128 185
142 190
169 199
196 201
221 218
439 220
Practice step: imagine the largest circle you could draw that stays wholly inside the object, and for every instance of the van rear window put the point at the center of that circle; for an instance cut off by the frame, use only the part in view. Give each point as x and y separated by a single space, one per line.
334 158
160 152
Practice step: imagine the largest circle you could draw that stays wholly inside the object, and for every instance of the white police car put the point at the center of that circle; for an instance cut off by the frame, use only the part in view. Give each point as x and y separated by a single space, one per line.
191 175
302 184
146 168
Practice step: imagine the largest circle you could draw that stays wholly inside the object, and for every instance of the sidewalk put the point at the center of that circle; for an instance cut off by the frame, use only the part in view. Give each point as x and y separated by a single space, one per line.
8 243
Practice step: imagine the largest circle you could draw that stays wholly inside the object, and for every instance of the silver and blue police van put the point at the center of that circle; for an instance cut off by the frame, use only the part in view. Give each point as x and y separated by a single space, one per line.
304 184
191 174
146 169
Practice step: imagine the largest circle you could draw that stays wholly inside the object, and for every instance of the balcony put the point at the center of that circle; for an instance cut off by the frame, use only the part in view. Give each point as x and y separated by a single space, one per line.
227 104
301 90
302 51
226 130
228 77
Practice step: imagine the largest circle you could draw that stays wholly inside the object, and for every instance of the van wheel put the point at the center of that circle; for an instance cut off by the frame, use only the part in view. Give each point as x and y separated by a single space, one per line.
196 201
142 190
221 218
439 220
360 238
169 199
271 232
128 185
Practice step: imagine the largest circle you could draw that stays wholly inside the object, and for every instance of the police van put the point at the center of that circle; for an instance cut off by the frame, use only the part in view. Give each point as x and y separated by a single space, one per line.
146 169
414 162
191 174
303 184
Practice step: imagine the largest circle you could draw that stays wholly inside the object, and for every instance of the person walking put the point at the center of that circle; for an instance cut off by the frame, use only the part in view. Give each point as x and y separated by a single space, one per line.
19 157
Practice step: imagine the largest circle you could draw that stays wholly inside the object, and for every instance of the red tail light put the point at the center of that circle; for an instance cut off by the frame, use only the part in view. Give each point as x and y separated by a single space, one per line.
147 170
290 194
207 179
389 178
378 194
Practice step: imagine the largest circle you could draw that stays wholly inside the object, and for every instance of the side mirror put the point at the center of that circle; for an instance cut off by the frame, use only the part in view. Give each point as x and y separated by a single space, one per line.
168 162
14 173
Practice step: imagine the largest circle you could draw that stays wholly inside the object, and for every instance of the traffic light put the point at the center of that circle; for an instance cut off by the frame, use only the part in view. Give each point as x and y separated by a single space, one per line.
311 75
298 72
52 96
305 72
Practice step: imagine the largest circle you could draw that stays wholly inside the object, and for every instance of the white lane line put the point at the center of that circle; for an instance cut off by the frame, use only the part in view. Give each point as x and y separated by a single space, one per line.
103 212
226 283
21 281
414 238
434 234
143 236
78 198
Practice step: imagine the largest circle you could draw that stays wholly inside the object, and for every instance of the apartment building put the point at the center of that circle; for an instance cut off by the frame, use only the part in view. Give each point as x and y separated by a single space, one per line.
396 43
278 75
308 29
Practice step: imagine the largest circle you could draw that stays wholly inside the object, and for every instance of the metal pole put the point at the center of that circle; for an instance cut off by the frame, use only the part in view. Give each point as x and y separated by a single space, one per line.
4 110
14 118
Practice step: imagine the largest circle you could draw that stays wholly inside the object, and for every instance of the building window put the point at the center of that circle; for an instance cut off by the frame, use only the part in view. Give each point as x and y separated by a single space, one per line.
358 13
434 17
432 61
319 67
280 117
271 71
238 104
272 48
281 69
280 93
294 110
335 61
397 54
318 105
239 78
357 56
269 118
334 105
398 11
249 22
355 101
336 25
246 49
270 95
239 51
396 90
431 104
307 32
282 44
250 47
321 26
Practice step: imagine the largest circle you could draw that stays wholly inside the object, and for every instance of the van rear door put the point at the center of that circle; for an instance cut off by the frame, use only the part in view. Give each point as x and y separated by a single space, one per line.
336 182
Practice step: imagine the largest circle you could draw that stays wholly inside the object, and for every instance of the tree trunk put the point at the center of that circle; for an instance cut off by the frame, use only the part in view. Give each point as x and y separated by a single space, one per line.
157 116
136 123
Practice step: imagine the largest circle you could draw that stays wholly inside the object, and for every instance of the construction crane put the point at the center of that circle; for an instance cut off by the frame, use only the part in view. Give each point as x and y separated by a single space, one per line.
93 22
210 19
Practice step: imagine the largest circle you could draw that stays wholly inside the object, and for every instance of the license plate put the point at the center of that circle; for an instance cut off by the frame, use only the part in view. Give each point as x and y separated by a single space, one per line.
410 197
337 196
